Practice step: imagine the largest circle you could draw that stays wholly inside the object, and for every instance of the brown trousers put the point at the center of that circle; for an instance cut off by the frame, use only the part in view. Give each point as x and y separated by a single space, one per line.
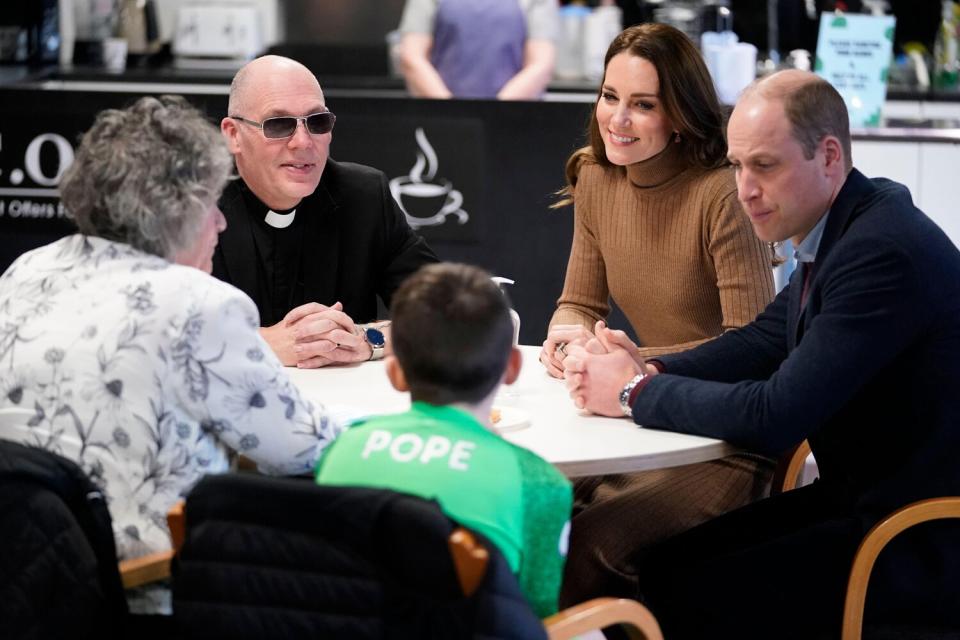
617 517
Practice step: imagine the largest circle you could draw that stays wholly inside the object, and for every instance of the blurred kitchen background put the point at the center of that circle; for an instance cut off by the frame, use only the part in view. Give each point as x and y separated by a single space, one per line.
353 37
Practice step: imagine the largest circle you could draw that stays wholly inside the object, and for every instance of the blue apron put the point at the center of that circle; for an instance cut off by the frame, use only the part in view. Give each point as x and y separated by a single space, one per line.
478 45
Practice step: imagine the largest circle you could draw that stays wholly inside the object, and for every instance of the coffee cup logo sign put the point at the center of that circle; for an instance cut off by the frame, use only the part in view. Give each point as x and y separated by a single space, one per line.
426 200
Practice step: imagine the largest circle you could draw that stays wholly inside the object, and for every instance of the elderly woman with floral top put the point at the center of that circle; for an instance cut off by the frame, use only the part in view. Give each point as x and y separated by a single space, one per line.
117 348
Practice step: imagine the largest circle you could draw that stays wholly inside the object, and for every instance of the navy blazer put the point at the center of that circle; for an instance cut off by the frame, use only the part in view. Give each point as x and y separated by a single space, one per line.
361 246
868 371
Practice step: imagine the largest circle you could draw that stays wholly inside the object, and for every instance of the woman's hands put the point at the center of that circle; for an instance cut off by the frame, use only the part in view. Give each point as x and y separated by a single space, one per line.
558 339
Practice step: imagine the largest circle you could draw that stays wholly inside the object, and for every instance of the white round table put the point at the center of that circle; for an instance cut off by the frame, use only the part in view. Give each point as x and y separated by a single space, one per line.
578 443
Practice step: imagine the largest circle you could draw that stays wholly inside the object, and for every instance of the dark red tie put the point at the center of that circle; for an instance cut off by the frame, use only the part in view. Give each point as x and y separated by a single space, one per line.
807 276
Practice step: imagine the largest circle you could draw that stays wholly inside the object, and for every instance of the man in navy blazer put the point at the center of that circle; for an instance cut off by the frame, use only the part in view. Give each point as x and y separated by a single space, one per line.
859 354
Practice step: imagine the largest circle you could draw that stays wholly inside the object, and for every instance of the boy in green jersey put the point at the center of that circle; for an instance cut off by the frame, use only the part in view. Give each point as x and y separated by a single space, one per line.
452 342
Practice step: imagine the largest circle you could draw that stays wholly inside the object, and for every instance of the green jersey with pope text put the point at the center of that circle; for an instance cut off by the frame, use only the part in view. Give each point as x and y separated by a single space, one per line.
509 494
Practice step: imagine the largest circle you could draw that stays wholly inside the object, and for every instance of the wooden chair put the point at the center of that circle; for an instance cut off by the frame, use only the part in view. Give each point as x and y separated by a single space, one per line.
874 542
470 559
785 479
154 567
787 473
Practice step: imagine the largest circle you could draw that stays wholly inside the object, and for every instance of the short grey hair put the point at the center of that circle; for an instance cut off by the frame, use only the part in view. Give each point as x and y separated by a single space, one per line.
146 175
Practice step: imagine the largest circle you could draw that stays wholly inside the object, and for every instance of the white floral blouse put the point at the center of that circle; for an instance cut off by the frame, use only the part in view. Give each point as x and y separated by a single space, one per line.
148 374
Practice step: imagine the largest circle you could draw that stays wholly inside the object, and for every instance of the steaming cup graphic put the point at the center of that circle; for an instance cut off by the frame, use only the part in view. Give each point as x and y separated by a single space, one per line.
427 203
424 200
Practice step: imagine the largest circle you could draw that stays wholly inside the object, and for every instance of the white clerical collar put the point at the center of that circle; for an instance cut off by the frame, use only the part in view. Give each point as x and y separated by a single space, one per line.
280 220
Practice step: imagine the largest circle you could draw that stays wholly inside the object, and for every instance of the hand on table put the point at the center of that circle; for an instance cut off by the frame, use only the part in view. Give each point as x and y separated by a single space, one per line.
559 339
597 371
314 335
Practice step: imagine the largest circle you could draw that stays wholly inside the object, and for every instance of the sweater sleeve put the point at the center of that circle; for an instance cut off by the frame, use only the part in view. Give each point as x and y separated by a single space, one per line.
418 17
585 297
543 20
222 367
743 266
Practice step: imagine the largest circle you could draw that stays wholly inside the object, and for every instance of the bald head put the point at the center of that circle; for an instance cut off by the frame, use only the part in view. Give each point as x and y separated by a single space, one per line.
279 171
812 106
254 76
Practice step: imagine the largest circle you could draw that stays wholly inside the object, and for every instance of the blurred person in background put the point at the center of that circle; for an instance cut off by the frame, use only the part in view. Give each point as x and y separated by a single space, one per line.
503 49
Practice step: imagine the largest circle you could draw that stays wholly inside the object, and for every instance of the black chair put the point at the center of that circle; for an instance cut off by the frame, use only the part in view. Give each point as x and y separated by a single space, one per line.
281 558
58 567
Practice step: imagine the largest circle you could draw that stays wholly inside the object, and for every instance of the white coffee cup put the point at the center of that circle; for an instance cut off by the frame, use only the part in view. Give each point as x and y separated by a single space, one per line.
115 54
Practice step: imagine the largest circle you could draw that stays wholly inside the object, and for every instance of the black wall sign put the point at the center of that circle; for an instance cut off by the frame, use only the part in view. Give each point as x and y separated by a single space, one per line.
432 166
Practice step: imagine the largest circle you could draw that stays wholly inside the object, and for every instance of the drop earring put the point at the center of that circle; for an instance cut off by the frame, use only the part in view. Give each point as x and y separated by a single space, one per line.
676 137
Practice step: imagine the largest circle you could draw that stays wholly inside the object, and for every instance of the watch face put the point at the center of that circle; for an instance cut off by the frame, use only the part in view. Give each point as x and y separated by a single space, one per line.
375 337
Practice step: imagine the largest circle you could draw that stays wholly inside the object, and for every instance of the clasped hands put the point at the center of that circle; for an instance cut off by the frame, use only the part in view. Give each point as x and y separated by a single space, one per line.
595 366
315 335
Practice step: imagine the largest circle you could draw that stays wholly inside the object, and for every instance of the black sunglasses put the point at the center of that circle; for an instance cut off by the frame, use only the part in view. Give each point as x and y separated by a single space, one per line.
286 126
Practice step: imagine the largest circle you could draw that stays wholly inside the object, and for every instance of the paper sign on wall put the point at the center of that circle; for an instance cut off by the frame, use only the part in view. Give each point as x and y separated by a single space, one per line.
853 54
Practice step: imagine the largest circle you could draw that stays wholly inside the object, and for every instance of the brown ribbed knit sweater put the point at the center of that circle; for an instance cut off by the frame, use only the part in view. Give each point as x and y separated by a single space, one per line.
673 248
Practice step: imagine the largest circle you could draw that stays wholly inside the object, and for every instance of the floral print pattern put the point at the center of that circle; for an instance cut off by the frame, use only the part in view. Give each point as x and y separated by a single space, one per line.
146 373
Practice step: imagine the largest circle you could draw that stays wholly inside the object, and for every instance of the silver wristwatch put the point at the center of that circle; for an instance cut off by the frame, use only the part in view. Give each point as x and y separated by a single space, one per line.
377 341
625 394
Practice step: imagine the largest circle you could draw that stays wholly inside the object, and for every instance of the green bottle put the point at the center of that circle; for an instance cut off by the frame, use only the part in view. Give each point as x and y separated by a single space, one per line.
946 64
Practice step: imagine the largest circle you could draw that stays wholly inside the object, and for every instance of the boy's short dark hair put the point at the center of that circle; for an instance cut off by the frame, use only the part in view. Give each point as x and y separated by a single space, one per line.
451 333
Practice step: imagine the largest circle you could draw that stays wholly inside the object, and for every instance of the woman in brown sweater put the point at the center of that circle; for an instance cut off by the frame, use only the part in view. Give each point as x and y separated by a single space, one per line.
659 229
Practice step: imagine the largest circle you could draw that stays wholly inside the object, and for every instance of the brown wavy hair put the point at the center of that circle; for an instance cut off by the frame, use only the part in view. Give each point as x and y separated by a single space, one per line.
686 95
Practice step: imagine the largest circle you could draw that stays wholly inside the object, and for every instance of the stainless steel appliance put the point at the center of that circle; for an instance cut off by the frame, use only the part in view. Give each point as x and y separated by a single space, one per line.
29 32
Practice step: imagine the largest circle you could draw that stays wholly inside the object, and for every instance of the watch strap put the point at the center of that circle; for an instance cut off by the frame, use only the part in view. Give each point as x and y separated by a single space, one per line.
626 392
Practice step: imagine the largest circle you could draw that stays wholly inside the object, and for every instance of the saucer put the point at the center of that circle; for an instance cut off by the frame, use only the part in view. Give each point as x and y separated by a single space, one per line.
511 419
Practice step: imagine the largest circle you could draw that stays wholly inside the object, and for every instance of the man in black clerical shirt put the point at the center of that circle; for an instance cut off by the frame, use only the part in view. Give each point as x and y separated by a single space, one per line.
314 242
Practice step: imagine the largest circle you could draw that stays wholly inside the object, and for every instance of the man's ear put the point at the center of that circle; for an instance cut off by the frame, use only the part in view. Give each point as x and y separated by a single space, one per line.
833 153
514 363
395 374
231 133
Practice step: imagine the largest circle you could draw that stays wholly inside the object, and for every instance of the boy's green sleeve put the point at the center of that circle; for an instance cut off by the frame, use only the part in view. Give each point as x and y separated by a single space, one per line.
547 501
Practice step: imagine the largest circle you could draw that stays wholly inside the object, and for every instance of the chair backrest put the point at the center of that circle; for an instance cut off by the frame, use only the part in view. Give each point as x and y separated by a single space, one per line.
67 589
267 557
787 473
875 541
155 567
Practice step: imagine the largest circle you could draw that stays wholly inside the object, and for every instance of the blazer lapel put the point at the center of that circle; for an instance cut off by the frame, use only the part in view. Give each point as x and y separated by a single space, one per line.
843 212
793 307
